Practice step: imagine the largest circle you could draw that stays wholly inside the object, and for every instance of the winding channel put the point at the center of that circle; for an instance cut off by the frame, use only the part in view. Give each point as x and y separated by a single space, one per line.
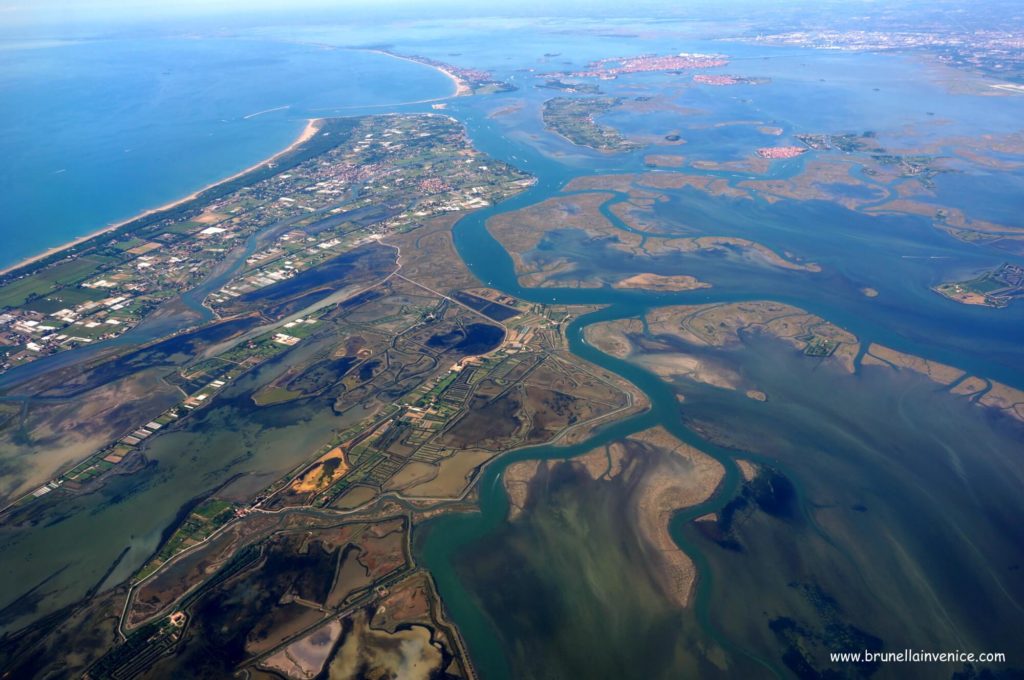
491 263
493 266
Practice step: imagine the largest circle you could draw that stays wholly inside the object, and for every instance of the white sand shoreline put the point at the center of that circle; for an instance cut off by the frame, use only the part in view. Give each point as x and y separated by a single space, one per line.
461 86
312 126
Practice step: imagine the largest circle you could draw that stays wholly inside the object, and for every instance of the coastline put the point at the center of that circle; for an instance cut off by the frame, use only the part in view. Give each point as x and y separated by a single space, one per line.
462 88
312 127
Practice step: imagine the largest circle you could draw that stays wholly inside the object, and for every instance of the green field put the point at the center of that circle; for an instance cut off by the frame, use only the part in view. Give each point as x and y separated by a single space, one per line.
575 119
17 293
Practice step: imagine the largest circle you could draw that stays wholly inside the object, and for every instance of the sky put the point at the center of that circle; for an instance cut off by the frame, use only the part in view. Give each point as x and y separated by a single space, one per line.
96 13
53 18
99 10
84 15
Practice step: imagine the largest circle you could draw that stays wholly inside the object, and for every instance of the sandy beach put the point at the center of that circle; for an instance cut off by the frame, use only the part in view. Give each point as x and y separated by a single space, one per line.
312 126
461 86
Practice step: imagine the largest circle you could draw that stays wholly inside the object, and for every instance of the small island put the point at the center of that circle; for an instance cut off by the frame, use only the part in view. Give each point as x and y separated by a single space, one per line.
569 86
780 152
996 288
724 80
613 67
658 282
574 119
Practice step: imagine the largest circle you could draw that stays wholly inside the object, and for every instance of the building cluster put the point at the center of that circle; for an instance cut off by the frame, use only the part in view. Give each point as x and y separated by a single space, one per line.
611 68
992 52
396 191
27 333
391 173
777 152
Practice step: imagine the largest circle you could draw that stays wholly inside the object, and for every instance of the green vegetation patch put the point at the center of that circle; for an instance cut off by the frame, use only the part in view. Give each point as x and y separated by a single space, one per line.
575 119
274 395
206 518
17 293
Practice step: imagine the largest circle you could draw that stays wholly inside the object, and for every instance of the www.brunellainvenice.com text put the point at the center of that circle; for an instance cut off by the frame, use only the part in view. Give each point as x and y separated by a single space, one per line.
917 656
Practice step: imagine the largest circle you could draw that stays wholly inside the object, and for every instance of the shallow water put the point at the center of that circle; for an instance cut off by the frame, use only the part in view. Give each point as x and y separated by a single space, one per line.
915 458
935 473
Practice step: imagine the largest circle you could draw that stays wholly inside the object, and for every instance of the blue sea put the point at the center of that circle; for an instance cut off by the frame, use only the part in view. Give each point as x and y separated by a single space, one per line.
94 132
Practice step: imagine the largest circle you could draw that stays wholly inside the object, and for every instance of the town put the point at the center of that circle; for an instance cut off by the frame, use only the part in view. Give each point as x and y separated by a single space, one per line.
379 174
609 69
990 52
996 288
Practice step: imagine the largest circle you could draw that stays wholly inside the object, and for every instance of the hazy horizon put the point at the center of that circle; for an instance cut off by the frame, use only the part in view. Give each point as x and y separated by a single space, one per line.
83 16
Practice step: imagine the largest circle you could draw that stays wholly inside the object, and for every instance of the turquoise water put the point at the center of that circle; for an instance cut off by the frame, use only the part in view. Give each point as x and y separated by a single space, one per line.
904 458
95 132
200 92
